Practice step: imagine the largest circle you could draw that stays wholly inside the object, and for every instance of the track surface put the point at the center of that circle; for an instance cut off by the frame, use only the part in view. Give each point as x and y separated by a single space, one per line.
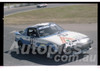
14 59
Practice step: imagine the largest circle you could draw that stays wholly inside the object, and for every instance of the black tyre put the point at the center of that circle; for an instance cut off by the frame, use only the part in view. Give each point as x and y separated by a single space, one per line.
20 44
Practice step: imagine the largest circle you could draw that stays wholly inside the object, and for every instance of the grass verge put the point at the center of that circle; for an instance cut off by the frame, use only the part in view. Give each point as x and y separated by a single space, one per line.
86 13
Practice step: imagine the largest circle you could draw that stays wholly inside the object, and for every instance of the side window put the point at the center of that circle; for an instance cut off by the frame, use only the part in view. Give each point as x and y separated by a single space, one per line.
29 32
32 32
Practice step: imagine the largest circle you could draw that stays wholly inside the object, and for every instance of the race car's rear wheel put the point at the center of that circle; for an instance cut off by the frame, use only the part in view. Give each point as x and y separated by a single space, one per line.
20 44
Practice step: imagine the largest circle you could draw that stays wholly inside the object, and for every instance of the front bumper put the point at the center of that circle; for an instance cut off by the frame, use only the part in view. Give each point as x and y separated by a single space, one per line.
85 44
82 47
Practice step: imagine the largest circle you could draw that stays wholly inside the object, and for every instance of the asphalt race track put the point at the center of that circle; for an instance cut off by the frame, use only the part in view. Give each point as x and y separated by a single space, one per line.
13 59
28 8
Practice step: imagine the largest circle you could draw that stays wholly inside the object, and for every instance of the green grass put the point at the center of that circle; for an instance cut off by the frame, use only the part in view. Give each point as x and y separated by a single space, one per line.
86 13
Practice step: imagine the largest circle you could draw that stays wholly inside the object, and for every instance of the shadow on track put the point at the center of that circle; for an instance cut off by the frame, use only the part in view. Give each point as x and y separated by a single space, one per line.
40 59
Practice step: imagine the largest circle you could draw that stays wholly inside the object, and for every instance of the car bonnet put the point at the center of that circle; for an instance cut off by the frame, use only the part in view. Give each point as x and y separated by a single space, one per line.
63 37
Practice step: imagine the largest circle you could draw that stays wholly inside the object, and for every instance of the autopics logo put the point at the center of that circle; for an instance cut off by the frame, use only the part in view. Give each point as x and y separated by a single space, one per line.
59 53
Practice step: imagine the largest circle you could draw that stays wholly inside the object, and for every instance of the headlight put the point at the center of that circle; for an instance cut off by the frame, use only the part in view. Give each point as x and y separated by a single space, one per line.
85 40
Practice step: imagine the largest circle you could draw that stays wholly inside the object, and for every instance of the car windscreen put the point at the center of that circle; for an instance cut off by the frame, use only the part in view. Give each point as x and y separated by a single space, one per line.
49 30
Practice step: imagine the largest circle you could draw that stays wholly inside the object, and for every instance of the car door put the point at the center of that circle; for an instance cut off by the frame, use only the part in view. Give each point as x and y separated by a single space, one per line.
32 36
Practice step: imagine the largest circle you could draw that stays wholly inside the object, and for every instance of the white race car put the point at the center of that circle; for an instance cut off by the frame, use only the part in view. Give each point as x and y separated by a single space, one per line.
53 36
41 5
